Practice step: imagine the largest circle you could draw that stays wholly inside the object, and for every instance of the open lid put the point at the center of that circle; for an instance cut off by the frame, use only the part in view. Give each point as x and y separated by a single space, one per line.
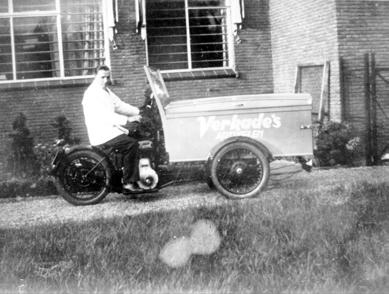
159 90
157 85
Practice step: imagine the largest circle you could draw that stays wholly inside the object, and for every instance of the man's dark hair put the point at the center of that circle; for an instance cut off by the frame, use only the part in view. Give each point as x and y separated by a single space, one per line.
102 67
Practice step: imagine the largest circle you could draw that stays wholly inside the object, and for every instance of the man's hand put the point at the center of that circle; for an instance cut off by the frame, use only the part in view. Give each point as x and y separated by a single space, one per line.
134 118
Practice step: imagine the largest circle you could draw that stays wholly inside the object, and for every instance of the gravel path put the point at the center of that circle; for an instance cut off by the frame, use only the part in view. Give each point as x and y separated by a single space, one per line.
42 210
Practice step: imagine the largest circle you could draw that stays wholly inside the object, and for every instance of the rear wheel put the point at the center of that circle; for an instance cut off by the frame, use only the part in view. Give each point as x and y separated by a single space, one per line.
84 178
240 170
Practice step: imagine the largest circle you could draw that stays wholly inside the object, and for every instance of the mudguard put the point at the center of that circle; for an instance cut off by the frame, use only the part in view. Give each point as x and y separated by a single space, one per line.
231 140
62 154
75 148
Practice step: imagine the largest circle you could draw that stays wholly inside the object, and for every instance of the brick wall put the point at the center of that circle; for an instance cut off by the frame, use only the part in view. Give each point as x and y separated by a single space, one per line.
364 28
42 104
253 60
310 31
304 32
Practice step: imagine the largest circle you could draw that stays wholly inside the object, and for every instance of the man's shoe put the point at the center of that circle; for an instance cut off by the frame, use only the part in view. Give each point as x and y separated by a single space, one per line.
132 187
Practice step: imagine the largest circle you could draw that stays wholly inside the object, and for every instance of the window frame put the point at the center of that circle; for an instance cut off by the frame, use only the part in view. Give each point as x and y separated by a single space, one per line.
49 13
190 69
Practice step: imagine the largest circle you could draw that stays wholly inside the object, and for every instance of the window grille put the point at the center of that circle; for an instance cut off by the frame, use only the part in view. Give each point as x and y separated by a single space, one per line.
189 34
45 39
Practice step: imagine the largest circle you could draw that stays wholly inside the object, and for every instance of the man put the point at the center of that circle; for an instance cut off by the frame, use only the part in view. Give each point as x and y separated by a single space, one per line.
105 117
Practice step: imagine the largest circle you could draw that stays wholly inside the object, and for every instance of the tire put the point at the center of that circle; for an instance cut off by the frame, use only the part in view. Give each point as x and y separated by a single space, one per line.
240 170
77 189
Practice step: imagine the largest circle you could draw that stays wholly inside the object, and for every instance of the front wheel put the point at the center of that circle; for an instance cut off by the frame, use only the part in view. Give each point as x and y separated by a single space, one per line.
84 178
240 170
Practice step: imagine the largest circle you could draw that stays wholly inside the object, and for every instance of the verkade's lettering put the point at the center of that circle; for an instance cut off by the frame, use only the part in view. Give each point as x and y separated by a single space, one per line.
226 127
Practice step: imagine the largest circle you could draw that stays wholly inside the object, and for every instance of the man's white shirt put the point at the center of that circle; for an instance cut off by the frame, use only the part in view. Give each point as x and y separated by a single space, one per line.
104 114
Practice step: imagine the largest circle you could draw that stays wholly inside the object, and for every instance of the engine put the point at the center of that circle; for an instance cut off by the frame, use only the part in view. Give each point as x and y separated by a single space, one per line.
148 178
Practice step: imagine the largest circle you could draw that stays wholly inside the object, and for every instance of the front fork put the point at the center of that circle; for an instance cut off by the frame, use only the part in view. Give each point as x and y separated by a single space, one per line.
56 162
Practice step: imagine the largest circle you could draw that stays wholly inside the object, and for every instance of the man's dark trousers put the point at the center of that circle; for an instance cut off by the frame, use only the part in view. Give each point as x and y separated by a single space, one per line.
128 148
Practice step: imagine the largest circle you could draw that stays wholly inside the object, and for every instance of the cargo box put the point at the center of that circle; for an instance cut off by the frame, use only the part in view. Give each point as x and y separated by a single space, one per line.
281 122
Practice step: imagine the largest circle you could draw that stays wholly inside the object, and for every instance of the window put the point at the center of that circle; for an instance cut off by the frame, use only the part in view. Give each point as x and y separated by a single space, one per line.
189 34
44 39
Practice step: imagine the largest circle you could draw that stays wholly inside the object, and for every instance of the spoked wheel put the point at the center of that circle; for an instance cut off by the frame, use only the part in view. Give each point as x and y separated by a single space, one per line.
240 170
84 179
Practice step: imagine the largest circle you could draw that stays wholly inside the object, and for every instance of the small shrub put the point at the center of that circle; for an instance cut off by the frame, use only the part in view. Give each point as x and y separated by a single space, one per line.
64 130
337 144
21 161
46 151
14 187
44 154
29 164
18 187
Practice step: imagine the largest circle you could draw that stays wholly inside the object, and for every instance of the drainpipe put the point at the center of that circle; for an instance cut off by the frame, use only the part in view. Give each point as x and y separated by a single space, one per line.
373 88
368 108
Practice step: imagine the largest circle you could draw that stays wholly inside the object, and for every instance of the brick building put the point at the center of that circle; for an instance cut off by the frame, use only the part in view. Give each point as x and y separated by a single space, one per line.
308 33
50 47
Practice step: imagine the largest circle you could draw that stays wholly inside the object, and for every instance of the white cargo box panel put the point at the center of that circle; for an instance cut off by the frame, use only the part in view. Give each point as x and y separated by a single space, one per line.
279 121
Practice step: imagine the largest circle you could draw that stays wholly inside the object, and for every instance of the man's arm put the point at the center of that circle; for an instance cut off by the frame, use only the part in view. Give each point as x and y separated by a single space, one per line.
122 107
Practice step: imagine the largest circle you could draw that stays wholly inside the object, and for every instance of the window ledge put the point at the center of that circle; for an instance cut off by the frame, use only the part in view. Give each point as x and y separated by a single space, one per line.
12 85
200 74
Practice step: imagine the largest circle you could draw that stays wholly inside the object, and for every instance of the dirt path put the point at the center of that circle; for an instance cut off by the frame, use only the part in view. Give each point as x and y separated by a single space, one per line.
42 210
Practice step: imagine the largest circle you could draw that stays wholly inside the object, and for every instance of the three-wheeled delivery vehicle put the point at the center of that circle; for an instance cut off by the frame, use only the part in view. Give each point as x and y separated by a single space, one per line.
233 137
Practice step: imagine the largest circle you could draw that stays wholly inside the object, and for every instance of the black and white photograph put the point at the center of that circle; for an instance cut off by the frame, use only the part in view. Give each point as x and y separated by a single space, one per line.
194 146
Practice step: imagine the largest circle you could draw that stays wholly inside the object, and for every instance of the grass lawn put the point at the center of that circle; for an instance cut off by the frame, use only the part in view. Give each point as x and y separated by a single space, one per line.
327 232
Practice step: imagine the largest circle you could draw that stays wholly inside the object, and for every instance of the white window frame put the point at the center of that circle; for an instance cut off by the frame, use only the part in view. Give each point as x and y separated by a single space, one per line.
230 40
57 14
